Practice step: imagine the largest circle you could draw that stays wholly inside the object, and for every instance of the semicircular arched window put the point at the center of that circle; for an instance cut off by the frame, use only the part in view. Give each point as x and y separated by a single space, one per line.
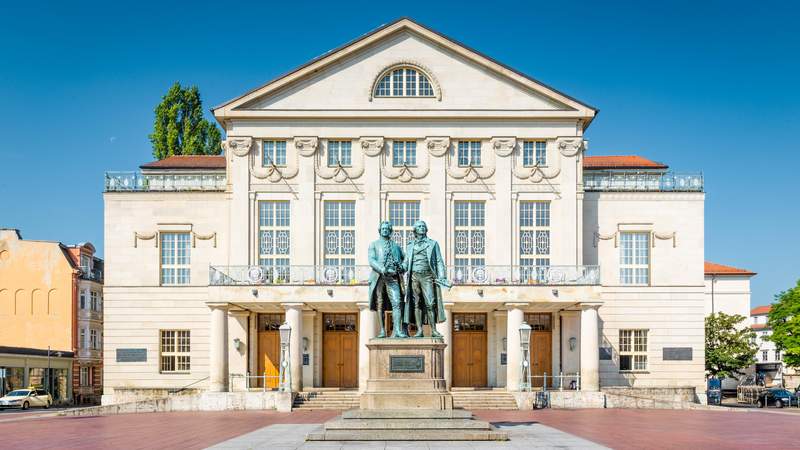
404 81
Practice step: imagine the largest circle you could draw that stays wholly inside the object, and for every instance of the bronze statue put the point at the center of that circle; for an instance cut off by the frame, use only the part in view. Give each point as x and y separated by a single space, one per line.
426 274
385 286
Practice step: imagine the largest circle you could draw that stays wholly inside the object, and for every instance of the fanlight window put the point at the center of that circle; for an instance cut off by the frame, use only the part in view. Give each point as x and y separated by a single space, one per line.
404 82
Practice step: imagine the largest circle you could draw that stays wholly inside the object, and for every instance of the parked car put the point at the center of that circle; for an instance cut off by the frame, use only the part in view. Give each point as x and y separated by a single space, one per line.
779 397
26 398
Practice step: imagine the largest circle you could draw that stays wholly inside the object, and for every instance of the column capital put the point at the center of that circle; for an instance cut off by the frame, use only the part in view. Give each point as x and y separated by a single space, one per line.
238 312
590 305
293 305
218 305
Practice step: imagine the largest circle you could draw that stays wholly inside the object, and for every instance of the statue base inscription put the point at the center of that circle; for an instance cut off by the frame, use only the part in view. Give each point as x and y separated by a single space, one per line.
406 374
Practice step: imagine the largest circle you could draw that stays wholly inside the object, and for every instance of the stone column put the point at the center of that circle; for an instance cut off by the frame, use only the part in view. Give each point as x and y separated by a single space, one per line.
366 331
294 317
446 330
514 352
237 357
590 353
218 360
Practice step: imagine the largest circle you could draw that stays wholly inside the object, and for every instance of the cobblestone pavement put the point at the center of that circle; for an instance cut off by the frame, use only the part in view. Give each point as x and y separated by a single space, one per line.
589 428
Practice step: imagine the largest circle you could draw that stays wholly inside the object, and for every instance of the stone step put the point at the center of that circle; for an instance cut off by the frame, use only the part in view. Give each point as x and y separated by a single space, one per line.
408 435
407 424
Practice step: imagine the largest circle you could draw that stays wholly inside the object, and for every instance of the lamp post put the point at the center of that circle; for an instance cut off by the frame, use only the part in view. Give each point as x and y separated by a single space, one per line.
285 376
524 344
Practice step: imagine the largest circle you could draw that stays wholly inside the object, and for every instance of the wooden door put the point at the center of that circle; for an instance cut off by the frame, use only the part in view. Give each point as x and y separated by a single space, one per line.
469 359
269 350
339 351
541 356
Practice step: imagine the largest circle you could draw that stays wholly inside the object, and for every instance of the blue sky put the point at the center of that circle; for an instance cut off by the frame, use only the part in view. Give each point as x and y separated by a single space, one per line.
708 86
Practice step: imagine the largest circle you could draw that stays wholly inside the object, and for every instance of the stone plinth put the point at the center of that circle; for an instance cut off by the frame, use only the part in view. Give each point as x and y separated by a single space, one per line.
406 374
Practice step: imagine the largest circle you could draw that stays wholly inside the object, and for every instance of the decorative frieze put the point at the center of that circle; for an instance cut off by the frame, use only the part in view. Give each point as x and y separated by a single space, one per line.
306 145
238 145
372 146
437 146
504 146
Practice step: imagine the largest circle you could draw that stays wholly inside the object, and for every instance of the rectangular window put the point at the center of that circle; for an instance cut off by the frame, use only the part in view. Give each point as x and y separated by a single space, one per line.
86 264
411 82
82 343
404 153
273 153
469 153
339 153
340 241
534 153
470 241
94 342
632 350
174 351
274 236
83 299
175 249
765 355
534 241
397 82
95 302
402 215
85 376
634 258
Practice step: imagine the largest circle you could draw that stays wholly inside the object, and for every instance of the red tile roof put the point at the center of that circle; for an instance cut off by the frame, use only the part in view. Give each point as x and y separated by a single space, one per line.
760 310
621 162
188 162
719 269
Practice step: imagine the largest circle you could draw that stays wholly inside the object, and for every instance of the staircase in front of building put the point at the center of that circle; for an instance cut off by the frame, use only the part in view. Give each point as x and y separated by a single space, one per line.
474 399
327 399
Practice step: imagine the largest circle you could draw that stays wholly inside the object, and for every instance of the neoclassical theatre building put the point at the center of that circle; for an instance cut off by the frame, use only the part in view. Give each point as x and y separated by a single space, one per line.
207 255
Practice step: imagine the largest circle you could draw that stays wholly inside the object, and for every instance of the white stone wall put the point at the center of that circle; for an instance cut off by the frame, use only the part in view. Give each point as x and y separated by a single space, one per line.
727 294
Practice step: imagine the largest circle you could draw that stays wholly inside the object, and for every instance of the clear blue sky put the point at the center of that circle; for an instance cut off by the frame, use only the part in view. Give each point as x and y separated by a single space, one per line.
709 86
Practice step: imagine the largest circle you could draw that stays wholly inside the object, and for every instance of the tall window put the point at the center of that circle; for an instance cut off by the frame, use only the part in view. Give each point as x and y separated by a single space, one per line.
175 249
339 153
534 153
86 264
175 350
85 376
340 241
274 239
469 153
470 241
83 299
765 355
534 241
634 258
777 355
404 153
94 342
402 215
95 301
82 343
632 350
404 82
273 152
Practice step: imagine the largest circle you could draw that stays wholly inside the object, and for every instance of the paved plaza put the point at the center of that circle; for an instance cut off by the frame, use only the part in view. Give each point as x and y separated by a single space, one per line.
590 428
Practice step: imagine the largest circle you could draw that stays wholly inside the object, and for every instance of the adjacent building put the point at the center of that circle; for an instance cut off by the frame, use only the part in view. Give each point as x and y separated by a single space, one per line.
769 363
51 311
207 255
727 289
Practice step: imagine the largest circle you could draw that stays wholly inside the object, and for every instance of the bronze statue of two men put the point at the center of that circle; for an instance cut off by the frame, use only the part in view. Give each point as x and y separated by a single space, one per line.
407 283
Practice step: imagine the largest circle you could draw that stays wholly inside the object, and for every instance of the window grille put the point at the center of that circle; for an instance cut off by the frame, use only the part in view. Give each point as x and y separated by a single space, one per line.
534 241
404 153
470 242
632 350
340 153
273 153
175 351
469 153
175 258
274 239
404 82
340 240
539 321
469 322
402 215
634 258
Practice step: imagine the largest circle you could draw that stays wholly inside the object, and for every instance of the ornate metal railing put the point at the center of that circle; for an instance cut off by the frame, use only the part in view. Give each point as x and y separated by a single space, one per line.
359 275
642 181
91 274
137 181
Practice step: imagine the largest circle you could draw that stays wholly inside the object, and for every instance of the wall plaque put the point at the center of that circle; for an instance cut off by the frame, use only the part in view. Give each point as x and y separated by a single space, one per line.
131 355
677 354
605 353
305 359
407 364
503 359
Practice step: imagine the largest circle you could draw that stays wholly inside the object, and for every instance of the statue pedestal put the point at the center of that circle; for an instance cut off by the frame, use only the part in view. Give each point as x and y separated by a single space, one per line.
406 374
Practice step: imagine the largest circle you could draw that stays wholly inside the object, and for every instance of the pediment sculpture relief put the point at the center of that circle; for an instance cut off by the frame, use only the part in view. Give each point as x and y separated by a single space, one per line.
238 145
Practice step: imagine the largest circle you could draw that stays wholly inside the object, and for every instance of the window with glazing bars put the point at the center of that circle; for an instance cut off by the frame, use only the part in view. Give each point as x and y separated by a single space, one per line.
274 238
83 338
175 258
534 153
340 240
273 153
404 82
470 241
175 351
534 241
539 321
634 258
632 350
469 153
404 153
94 343
402 215
95 304
340 153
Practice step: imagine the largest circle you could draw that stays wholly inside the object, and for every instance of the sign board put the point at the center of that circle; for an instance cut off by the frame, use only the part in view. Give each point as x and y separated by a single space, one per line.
677 354
605 353
131 355
407 364
503 359
305 359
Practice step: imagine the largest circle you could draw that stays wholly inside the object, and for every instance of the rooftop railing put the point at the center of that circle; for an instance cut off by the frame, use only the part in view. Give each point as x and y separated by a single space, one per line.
642 181
139 182
359 275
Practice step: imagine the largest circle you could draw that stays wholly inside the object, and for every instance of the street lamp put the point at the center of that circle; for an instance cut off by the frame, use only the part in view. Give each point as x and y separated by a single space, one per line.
285 376
524 344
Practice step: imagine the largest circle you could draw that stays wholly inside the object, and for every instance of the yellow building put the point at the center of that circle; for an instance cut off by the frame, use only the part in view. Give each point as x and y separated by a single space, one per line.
40 282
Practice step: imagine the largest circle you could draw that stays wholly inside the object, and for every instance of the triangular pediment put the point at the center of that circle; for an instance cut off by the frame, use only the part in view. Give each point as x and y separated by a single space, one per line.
345 78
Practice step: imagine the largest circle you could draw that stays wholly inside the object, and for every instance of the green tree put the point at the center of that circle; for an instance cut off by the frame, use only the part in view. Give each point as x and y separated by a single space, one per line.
730 347
180 128
784 320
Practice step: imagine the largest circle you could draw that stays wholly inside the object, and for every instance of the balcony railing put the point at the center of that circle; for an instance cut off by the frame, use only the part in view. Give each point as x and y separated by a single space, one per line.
137 181
359 275
643 181
92 274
